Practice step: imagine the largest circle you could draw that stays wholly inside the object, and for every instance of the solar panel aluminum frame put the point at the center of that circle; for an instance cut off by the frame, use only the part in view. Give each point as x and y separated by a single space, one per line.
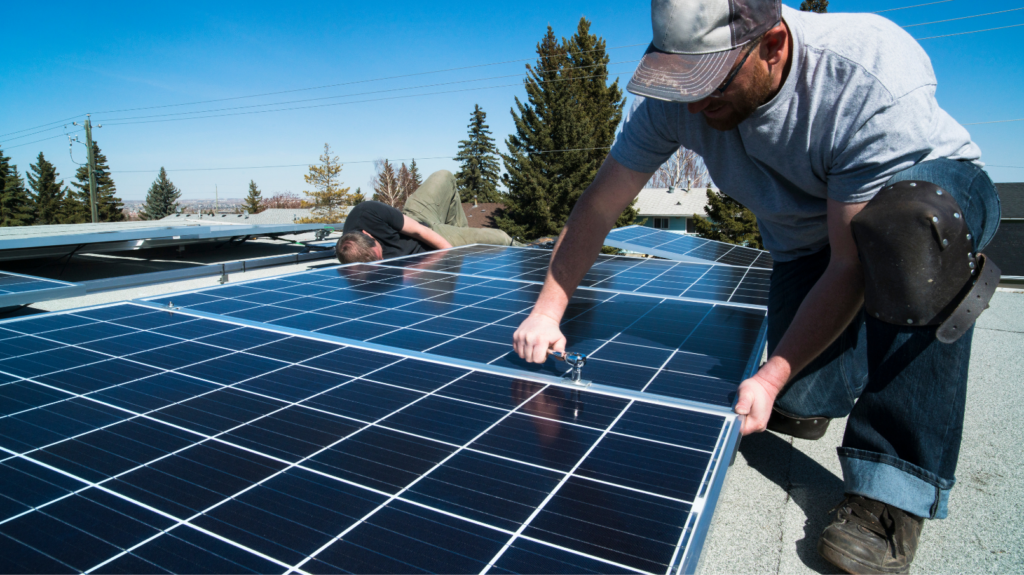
687 554
58 290
660 253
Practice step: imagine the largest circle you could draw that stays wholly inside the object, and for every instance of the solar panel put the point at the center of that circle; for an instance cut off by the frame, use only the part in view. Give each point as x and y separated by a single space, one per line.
18 289
698 281
689 350
686 248
143 440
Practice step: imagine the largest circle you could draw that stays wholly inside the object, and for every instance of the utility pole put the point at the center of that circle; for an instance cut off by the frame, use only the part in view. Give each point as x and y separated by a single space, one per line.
92 170
216 200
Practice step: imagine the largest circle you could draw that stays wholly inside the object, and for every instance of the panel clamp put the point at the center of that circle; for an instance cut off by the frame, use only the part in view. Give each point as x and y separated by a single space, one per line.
576 362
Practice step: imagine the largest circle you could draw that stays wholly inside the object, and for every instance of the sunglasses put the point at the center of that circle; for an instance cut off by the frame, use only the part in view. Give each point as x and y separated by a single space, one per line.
719 91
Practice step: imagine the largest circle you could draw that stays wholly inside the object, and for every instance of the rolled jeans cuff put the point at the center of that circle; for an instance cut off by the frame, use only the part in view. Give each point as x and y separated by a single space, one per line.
893 481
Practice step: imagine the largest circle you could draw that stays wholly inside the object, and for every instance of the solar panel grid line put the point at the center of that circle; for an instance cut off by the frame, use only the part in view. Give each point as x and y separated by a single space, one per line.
92 485
409 486
498 370
739 283
665 244
674 352
540 507
536 276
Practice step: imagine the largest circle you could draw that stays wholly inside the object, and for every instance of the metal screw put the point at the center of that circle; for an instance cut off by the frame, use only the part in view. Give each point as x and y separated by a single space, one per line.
912 184
945 242
935 219
968 236
938 192
971 264
910 320
957 216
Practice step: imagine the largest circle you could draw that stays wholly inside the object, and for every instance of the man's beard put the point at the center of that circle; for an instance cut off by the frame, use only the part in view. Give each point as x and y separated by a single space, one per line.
747 102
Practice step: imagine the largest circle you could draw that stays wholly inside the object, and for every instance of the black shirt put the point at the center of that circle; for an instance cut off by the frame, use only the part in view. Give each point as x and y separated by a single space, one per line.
383 223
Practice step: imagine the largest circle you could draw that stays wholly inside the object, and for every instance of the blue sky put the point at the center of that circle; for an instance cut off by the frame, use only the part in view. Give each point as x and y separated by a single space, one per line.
62 60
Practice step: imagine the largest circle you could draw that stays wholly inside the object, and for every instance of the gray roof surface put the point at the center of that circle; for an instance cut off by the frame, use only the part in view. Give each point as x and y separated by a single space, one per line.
23 232
778 493
680 202
1012 198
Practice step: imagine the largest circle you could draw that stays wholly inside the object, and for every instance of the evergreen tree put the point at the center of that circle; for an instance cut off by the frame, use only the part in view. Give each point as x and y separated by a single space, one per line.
563 133
728 221
48 195
108 206
358 197
15 203
415 177
161 199
329 198
254 201
478 176
819 6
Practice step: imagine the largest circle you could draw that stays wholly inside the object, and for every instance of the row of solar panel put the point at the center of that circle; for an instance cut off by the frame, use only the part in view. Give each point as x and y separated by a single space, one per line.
18 289
689 350
156 441
698 281
684 247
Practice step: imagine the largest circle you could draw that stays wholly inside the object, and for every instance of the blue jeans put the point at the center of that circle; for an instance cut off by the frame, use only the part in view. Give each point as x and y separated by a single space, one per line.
904 391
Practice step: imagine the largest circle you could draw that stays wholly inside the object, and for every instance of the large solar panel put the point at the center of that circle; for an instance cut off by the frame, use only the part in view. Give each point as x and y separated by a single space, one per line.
698 281
686 248
143 440
695 351
18 289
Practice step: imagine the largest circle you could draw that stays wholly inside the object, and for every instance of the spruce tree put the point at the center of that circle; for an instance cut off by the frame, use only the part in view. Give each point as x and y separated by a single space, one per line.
15 204
414 175
563 133
48 195
358 197
161 199
109 207
254 201
819 6
478 176
728 221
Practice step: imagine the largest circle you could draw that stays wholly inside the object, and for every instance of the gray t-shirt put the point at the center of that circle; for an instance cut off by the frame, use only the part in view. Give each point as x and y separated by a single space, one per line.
857 107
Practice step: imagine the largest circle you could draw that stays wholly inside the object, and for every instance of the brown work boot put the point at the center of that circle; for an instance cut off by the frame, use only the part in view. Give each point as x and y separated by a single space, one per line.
869 536
800 427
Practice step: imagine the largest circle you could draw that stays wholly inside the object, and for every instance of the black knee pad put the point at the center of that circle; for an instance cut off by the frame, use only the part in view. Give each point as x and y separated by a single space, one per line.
920 267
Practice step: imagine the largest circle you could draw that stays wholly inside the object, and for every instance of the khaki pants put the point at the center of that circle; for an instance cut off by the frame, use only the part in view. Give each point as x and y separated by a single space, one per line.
436 203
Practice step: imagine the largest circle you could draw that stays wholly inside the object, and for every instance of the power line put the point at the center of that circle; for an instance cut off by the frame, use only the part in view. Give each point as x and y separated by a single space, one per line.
962 18
43 140
972 32
350 83
42 125
112 123
355 94
994 122
340 162
914 6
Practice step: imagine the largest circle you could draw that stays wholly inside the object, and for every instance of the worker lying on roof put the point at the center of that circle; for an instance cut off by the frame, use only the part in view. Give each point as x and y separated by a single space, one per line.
432 219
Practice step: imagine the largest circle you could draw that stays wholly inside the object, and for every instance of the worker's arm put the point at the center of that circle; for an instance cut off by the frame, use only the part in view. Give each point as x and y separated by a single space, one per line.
826 311
412 228
575 251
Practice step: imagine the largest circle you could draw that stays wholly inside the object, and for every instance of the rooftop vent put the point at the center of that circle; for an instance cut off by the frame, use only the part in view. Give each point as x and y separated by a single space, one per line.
671 189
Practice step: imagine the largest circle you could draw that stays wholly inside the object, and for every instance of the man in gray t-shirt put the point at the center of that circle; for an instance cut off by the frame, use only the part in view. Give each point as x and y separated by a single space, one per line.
873 203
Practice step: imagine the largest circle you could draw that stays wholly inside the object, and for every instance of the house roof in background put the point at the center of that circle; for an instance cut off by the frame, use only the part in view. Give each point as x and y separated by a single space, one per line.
680 202
482 215
1012 198
269 216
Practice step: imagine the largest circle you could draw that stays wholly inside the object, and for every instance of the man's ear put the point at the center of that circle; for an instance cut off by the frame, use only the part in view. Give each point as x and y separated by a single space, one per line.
773 44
